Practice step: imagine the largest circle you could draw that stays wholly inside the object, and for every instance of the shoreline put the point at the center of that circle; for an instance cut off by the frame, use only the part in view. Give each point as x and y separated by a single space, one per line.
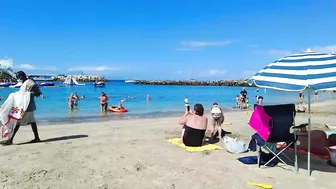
109 116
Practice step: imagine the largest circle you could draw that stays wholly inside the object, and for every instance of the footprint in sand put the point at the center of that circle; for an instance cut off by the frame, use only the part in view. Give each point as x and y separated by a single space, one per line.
37 175
138 167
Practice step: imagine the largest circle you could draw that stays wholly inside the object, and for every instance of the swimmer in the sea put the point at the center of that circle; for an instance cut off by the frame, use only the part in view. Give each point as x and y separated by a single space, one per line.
120 106
76 98
148 98
83 97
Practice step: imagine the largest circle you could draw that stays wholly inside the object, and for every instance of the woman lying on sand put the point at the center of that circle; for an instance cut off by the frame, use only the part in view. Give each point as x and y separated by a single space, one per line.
194 126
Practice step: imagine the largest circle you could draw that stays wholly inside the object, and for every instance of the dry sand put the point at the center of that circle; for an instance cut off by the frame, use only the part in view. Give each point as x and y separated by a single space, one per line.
133 154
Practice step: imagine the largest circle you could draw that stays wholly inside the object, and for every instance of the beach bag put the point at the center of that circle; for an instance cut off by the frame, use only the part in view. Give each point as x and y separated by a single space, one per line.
234 146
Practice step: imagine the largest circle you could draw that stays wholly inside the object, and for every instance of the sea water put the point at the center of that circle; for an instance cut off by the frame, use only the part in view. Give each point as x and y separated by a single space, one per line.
165 100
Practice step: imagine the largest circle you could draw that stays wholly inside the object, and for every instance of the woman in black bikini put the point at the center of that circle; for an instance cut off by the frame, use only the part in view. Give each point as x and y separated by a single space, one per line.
103 102
194 126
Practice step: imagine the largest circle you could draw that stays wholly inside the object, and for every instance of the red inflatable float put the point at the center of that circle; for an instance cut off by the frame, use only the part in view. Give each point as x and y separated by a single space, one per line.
116 109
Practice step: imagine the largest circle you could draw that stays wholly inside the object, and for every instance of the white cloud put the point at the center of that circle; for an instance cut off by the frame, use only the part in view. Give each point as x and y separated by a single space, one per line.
32 67
216 72
249 73
186 49
178 72
212 73
92 68
325 49
195 44
27 67
198 45
281 53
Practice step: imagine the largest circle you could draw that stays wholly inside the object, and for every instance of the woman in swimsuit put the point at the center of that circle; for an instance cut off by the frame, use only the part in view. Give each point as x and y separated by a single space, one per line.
194 126
103 102
71 101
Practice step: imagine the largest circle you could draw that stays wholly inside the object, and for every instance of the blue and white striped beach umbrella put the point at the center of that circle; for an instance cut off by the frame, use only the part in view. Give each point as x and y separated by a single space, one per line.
309 70
297 72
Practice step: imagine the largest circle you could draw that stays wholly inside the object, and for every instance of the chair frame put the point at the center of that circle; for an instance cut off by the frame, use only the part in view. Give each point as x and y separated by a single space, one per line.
278 153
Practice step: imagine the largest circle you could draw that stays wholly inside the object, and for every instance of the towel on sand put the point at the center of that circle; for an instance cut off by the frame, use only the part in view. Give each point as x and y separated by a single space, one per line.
206 147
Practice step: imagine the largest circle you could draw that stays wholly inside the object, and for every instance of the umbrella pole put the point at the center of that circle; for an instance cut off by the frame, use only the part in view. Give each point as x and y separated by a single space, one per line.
309 126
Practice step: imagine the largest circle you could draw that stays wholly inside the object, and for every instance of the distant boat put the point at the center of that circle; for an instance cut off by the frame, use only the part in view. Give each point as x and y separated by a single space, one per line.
191 75
47 84
69 80
130 81
99 84
5 84
18 85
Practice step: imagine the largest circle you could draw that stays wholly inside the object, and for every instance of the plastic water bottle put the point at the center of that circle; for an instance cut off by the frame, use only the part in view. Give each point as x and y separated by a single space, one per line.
186 101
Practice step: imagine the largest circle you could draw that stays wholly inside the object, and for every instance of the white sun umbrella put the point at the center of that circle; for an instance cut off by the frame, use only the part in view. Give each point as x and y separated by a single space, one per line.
298 72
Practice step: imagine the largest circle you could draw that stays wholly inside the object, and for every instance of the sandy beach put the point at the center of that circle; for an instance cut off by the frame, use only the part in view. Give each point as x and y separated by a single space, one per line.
134 154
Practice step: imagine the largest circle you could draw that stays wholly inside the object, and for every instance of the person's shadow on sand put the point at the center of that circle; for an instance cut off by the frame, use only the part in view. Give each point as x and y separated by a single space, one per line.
214 139
57 139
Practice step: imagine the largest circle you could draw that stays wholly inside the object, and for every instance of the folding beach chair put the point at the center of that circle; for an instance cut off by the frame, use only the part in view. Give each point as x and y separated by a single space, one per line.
282 119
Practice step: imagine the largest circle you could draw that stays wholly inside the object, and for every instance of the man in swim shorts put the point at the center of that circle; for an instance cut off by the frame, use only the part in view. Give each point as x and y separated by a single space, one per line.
28 85
217 119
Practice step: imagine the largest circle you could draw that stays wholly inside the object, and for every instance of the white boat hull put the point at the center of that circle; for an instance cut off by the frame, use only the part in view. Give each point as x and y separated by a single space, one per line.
130 81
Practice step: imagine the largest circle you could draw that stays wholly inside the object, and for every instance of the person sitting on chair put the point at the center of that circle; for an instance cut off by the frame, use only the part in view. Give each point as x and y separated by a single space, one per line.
194 126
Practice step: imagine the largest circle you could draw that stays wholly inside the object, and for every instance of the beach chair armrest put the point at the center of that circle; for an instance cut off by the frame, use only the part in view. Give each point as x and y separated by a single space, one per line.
301 126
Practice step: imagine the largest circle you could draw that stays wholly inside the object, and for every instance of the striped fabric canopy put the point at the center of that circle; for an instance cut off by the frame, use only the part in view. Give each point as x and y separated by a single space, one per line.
298 72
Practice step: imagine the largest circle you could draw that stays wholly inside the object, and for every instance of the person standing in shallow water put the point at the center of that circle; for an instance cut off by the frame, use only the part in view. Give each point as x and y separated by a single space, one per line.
103 102
28 85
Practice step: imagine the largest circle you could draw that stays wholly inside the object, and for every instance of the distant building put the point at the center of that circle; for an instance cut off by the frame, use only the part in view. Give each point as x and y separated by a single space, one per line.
43 77
6 68
6 64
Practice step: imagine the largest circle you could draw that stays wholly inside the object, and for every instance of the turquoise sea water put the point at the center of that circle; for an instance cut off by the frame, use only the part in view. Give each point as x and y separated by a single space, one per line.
165 100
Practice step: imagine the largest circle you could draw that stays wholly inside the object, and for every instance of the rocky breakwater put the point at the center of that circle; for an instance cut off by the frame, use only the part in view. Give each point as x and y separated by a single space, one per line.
242 82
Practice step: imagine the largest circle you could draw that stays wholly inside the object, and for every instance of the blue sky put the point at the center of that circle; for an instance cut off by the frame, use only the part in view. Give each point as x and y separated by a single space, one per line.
161 39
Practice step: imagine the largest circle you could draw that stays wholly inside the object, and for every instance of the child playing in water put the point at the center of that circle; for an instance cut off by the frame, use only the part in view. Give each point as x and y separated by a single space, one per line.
237 101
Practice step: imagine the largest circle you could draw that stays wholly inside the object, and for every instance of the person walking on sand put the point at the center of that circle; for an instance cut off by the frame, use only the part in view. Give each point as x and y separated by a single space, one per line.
28 85
217 119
